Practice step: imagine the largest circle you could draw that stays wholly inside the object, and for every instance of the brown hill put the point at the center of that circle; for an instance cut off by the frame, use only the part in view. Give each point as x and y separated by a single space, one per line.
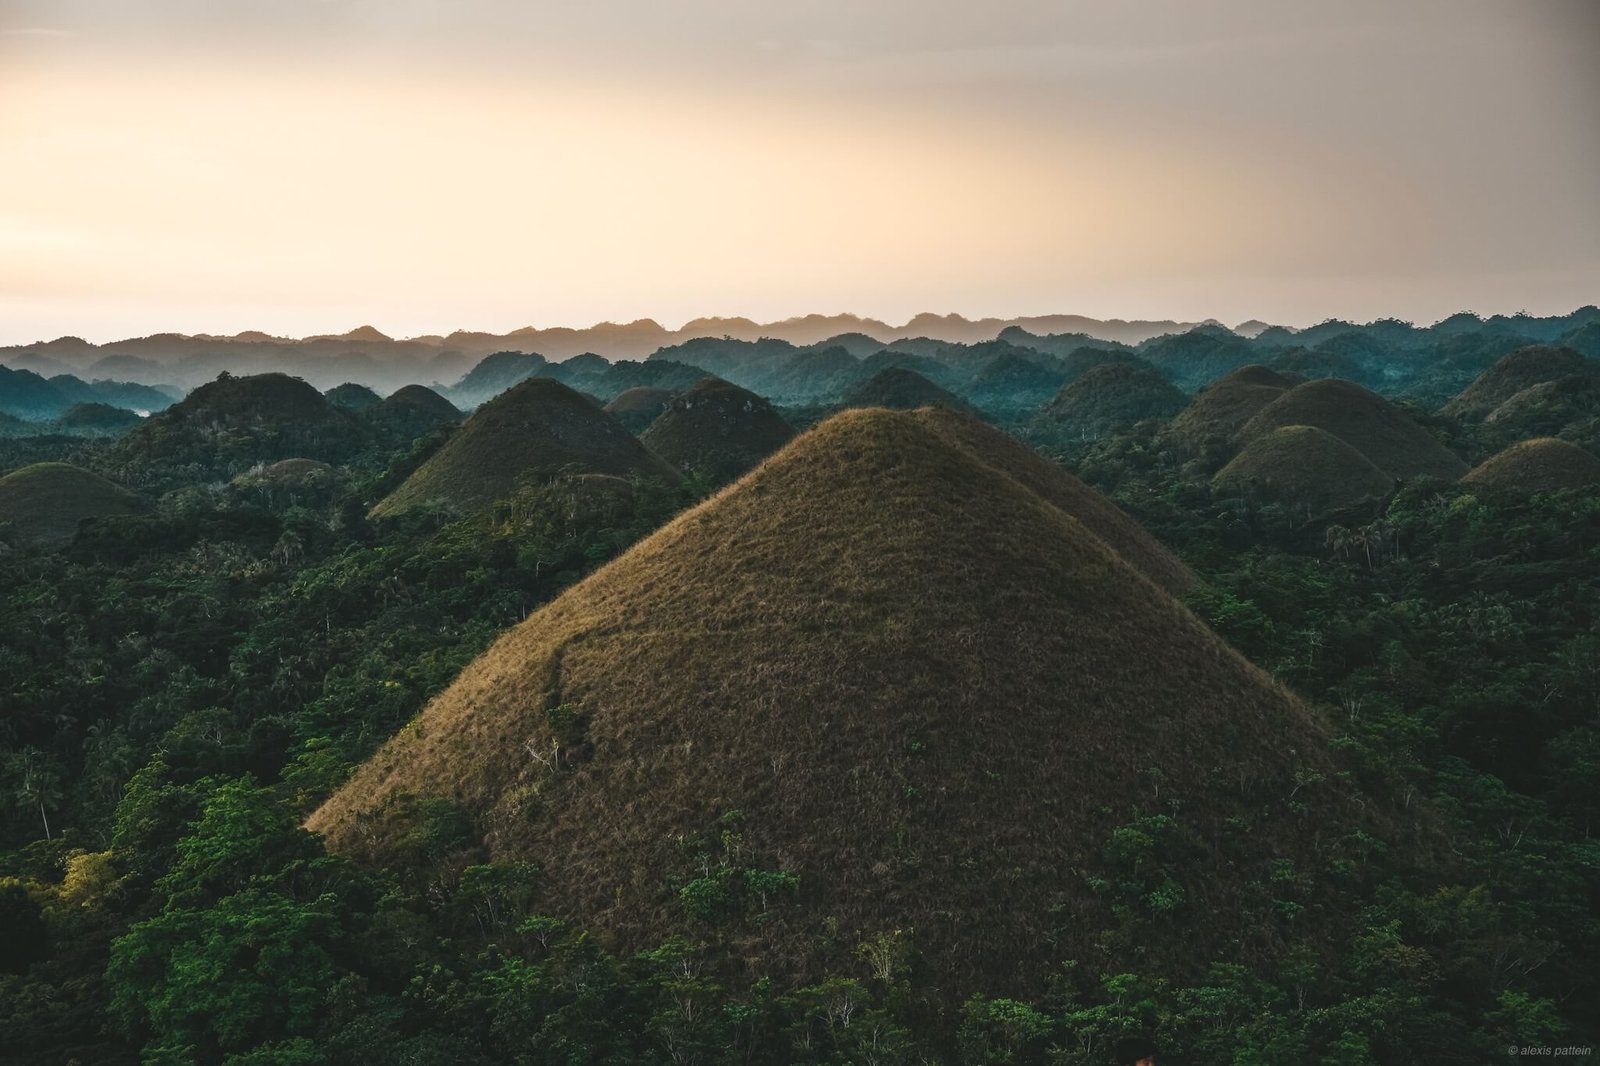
717 429
880 666
1058 487
535 427
45 502
900 389
1110 396
1544 464
1218 410
1303 466
1362 419
1514 372
639 406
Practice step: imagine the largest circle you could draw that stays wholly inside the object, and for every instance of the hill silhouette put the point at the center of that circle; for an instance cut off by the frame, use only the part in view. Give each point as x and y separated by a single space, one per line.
637 407
494 374
1219 409
900 389
44 503
891 671
411 411
353 397
1109 396
1512 373
1302 466
1543 464
1366 421
233 423
717 429
538 426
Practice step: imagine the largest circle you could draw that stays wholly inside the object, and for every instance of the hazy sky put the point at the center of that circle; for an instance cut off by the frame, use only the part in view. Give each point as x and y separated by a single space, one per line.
304 166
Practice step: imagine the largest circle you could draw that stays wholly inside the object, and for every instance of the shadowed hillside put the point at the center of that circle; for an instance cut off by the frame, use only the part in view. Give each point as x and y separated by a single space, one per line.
922 691
538 426
637 407
44 503
1364 420
717 429
412 411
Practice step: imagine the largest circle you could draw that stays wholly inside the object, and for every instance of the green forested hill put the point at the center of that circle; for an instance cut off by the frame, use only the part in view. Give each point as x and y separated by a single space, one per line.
182 688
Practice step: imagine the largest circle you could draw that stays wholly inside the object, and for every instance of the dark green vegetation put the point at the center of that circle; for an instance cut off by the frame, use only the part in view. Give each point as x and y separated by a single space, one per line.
1108 397
183 687
903 390
716 430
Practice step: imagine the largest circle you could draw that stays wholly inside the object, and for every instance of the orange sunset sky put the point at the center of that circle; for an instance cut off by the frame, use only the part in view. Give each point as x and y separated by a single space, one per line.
427 165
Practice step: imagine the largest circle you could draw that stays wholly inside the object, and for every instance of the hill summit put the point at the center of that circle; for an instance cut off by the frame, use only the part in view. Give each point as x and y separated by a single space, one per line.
878 684
45 502
900 389
718 429
536 426
1544 464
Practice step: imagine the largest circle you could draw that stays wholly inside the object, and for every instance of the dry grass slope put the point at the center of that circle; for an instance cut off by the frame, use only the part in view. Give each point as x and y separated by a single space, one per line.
1056 486
1303 466
45 502
932 693
1362 419
535 426
1544 464
717 429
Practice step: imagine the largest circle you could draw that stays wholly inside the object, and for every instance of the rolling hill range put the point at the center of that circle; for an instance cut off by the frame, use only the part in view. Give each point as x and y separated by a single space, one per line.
878 684
717 429
1543 464
537 426
45 502
1366 421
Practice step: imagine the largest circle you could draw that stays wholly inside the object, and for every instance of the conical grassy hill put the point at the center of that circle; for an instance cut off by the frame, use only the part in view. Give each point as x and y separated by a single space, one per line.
717 429
1218 410
1362 419
411 411
1515 371
879 665
1544 464
44 503
1303 466
900 389
538 425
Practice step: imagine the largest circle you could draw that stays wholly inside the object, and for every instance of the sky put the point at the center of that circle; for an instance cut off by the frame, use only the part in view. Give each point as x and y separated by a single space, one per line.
306 166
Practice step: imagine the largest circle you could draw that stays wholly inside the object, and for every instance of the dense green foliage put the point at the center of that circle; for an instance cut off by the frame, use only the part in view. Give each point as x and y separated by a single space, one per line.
181 688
